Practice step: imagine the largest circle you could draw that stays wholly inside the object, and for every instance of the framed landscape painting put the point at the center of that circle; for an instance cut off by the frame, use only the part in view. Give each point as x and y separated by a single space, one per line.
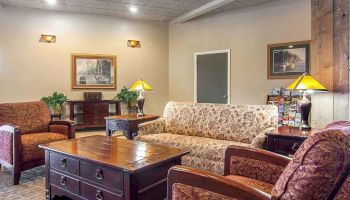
288 60
93 71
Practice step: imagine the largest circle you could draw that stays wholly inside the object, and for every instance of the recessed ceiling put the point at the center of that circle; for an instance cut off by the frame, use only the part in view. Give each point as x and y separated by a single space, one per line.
157 10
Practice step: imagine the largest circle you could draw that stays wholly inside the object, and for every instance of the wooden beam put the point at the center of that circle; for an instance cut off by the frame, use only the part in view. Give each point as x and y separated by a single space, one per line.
341 59
201 10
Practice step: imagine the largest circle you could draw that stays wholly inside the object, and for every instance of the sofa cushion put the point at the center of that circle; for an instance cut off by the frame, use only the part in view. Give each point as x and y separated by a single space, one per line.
317 165
260 185
30 143
240 123
31 117
203 164
207 148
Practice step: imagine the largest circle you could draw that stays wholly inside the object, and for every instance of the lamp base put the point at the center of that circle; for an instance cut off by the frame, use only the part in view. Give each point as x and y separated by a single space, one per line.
140 103
305 107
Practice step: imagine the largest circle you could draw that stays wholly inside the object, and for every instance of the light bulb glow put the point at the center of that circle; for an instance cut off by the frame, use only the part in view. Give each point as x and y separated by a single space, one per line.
133 9
52 2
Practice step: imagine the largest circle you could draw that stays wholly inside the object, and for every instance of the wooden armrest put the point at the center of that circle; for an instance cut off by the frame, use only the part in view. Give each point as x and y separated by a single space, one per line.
256 154
211 182
70 125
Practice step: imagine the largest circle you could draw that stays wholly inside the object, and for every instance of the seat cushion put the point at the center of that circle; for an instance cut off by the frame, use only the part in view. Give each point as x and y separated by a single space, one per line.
30 143
260 185
206 148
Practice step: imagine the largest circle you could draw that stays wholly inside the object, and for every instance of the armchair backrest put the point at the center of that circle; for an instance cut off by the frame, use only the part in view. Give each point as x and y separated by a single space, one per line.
239 123
31 117
319 167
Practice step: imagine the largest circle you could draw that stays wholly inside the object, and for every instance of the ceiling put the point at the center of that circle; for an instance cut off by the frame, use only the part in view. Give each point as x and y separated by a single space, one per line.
156 10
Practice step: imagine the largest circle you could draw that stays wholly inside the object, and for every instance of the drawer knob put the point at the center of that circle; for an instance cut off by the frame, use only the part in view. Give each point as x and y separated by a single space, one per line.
63 163
99 195
99 174
63 181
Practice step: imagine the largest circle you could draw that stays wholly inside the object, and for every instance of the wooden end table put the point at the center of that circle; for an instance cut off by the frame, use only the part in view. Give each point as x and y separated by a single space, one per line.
286 140
105 168
128 124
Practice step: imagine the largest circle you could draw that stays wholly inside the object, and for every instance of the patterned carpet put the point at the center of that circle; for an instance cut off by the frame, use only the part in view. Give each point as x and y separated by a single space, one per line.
32 183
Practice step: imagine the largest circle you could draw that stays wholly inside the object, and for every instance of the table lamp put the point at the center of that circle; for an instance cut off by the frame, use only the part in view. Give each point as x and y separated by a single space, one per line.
140 86
306 84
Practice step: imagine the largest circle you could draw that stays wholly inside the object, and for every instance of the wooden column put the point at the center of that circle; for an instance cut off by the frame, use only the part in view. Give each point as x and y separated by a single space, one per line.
322 60
341 59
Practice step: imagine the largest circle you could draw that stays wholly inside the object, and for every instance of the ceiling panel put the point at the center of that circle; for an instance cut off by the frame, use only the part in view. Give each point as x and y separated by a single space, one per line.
157 10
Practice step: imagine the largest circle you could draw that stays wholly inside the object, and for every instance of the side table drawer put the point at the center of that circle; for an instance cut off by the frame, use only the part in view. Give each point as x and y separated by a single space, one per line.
98 174
63 181
64 163
91 192
285 146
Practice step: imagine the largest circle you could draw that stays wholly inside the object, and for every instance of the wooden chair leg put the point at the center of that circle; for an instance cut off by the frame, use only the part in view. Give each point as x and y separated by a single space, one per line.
16 175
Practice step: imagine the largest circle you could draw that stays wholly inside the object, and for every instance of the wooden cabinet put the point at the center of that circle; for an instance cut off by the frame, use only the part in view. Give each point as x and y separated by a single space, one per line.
91 114
286 140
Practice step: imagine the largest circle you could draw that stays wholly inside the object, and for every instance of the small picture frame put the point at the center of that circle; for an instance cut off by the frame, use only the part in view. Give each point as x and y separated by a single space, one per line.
288 60
93 71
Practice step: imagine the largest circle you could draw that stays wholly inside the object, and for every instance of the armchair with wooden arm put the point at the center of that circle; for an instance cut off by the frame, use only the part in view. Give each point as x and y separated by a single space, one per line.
23 126
319 170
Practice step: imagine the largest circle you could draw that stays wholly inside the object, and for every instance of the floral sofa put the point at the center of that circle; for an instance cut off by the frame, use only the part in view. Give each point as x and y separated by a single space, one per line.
208 129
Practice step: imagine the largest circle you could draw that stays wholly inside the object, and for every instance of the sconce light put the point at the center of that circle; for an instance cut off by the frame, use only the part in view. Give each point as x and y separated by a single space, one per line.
133 43
48 38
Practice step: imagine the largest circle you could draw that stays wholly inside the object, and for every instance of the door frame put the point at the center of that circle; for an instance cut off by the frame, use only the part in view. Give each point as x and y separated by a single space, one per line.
228 51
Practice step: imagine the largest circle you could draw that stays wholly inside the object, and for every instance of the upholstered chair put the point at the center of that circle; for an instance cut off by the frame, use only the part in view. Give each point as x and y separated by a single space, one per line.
23 126
319 170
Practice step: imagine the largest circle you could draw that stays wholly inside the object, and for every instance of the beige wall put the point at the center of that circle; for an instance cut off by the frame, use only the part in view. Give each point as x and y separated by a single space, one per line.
247 33
30 70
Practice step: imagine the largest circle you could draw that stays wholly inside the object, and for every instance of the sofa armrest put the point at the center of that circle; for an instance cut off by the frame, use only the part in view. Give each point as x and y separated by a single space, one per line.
189 183
260 140
10 143
64 127
254 163
152 127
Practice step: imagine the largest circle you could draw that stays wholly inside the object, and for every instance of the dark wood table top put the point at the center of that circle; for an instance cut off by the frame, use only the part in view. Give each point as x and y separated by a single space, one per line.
124 154
289 131
132 117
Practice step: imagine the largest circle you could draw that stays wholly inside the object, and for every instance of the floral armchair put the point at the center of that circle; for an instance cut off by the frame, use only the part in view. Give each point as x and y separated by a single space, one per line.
208 129
319 170
23 126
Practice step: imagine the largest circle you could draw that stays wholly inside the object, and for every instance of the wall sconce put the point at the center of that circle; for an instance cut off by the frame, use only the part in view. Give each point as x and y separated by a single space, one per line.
134 43
48 38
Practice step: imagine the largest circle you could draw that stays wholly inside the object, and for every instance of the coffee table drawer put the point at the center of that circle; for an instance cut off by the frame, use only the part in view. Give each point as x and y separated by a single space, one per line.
64 182
111 178
64 163
91 192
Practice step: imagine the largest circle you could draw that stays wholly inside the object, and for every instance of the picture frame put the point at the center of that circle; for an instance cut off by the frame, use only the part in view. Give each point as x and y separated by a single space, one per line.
288 60
94 71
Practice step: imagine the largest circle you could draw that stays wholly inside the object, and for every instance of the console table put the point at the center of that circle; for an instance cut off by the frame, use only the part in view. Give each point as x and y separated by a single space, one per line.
128 124
91 113
108 168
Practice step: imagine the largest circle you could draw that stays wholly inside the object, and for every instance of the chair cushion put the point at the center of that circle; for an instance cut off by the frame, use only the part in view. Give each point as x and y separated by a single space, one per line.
317 165
202 147
187 192
30 143
31 117
260 185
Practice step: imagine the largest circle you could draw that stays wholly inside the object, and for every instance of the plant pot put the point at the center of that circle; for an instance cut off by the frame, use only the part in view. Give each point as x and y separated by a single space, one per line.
132 107
57 110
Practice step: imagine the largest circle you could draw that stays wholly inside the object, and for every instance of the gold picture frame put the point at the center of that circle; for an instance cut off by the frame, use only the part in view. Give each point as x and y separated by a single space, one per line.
288 60
94 71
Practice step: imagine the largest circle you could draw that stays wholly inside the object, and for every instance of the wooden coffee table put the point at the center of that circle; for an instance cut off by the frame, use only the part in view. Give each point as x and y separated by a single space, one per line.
106 168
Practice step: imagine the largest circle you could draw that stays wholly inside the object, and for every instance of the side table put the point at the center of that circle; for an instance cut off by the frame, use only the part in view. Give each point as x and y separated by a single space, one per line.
286 140
128 124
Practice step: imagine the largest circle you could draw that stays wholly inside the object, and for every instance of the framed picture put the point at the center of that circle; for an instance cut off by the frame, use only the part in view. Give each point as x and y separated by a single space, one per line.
93 71
288 60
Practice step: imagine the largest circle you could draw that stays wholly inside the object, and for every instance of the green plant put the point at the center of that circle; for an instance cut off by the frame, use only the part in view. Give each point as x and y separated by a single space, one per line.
126 96
55 101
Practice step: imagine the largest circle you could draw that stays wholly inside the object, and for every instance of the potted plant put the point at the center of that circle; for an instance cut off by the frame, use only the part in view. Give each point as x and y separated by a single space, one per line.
55 102
128 97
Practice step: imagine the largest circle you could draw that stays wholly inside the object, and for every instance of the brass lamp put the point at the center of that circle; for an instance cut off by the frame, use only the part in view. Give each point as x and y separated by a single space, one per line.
140 86
306 84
